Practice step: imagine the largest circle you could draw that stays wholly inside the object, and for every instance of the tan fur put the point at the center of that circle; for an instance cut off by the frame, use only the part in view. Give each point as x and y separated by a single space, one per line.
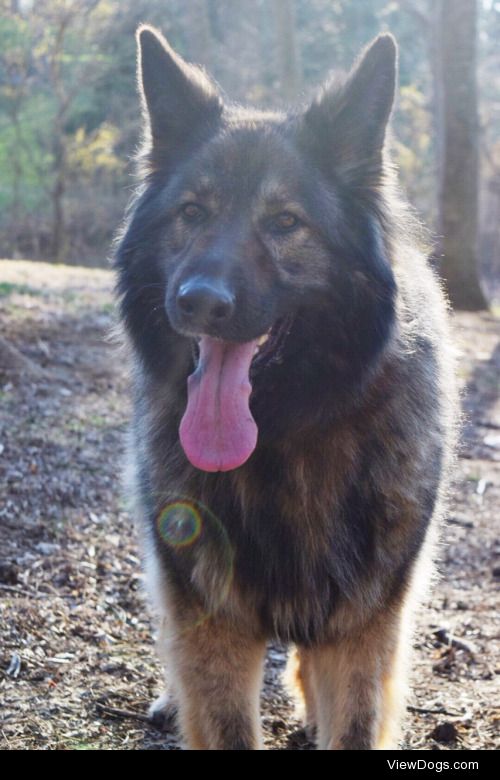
299 681
218 676
349 681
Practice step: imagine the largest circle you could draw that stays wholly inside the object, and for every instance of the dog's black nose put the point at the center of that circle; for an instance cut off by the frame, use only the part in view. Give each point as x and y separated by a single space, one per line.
204 304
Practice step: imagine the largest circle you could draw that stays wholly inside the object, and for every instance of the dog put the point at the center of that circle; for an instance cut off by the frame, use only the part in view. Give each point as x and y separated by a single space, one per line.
294 405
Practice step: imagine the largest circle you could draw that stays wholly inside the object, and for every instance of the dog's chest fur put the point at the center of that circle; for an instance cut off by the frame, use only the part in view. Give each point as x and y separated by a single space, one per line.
312 534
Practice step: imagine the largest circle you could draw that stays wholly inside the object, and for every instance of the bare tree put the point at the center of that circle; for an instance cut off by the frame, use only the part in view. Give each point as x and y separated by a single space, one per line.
287 47
197 29
459 180
63 17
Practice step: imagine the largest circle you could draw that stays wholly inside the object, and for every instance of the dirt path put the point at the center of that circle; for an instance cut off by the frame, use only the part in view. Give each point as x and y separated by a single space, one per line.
77 665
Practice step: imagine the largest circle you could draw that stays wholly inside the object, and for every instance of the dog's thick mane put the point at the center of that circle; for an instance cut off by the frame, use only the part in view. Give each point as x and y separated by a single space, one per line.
316 536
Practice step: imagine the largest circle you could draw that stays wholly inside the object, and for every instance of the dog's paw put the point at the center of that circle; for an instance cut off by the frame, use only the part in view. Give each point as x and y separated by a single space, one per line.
311 731
163 712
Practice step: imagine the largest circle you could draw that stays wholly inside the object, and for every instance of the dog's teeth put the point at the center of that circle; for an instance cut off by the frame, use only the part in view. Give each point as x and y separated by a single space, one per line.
263 339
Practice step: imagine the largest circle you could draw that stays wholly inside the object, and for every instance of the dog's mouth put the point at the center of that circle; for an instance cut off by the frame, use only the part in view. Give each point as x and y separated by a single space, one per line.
217 431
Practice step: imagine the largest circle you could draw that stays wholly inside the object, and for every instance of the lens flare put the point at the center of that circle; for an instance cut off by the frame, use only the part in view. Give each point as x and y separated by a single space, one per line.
192 531
179 524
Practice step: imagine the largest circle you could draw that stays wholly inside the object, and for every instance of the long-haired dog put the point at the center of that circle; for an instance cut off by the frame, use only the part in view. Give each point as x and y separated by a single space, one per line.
293 401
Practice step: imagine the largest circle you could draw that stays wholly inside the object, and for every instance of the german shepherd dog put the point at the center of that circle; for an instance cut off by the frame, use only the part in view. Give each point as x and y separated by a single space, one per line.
293 399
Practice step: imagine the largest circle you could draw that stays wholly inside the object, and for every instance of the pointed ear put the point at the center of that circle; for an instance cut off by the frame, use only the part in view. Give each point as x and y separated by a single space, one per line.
180 101
346 125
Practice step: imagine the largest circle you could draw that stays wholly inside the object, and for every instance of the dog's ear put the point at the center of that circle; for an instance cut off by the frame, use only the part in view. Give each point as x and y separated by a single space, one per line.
180 101
346 125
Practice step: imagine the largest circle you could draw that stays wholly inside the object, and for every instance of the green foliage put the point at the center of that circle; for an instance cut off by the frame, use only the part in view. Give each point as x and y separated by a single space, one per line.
25 153
94 151
69 118
9 288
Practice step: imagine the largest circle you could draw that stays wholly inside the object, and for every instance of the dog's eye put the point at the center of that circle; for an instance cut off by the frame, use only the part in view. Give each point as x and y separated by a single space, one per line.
192 212
282 223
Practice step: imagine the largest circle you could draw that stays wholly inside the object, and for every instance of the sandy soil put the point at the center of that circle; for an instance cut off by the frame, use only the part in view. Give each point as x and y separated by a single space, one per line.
77 662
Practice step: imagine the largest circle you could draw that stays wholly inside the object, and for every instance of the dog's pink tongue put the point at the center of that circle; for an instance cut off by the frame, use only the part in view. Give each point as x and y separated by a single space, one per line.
217 432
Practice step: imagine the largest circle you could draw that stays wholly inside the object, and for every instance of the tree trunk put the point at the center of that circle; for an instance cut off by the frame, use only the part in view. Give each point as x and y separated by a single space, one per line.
198 33
459 180
287 48
59 237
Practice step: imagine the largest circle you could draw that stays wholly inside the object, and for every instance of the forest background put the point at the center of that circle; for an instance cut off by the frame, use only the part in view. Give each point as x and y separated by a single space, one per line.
70 121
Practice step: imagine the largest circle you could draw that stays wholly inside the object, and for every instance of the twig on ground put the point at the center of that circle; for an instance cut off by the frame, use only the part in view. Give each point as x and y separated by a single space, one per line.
119 713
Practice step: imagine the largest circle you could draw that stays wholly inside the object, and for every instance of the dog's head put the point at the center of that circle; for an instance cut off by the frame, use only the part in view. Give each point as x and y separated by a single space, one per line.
249 219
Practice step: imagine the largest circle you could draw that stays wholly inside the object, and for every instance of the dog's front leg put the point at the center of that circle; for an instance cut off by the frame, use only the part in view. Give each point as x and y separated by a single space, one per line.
358 688
218 676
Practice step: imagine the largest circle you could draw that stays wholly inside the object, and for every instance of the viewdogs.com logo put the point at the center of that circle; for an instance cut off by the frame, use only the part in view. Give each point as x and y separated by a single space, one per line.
436 766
